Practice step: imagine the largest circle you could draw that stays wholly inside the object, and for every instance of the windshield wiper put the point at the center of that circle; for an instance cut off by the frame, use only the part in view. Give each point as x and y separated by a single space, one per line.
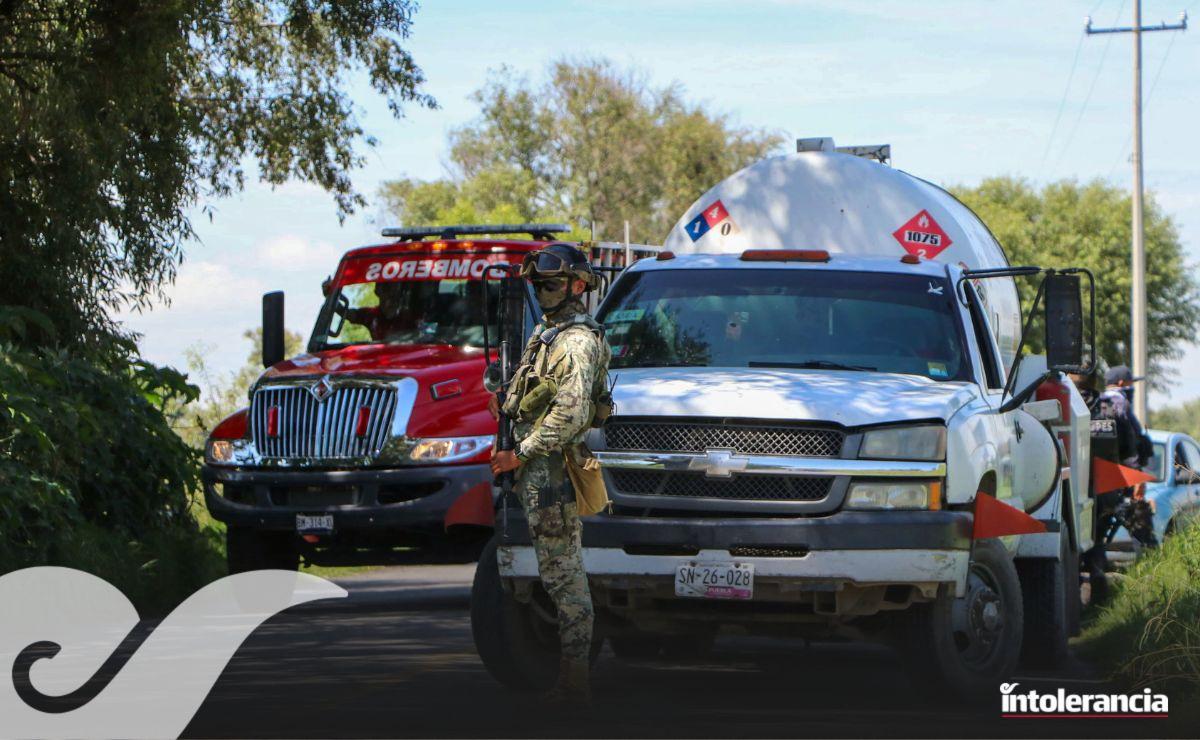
812 365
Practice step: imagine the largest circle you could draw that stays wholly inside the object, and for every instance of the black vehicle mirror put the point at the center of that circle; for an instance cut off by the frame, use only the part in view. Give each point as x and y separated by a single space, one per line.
272 328
1064 322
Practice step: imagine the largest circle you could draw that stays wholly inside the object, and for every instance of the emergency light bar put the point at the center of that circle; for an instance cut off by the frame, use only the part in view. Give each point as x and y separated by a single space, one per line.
543 232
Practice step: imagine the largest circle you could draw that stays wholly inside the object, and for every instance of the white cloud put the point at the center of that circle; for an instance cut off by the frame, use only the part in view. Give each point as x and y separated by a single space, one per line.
291 252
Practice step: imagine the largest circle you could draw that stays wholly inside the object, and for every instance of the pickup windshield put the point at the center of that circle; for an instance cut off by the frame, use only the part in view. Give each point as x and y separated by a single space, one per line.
787 318
410 299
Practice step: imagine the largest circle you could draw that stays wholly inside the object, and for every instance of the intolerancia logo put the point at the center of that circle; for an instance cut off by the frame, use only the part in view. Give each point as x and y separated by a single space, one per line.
1036 704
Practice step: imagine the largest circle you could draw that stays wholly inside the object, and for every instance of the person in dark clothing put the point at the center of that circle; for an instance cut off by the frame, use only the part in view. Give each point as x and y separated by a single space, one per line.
1134 510
1119 381
1112 438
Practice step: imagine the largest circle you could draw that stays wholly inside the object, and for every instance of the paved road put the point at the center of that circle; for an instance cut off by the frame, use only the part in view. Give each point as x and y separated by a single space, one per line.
395 659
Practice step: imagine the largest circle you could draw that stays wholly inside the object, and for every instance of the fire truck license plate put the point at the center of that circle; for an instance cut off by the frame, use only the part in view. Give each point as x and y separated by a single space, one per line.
715 580
314 524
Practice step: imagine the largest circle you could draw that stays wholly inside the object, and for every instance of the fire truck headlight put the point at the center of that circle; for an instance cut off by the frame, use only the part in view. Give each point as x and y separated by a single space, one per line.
218 451
925 442
894 495
448 449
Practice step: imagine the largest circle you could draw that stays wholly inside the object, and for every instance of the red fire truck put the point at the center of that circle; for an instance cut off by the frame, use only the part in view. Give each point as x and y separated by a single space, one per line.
376 441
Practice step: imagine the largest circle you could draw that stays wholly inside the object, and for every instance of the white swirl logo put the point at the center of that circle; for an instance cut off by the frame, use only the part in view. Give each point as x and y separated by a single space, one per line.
67 636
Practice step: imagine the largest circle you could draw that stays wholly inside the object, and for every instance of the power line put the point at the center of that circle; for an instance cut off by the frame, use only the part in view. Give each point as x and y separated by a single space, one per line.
1062 104
1092 88
1124 151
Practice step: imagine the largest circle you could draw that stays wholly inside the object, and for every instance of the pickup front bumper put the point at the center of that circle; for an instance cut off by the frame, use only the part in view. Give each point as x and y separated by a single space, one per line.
411 500
848 551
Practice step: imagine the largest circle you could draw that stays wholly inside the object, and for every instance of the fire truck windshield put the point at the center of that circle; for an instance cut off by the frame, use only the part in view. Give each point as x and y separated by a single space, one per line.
420 311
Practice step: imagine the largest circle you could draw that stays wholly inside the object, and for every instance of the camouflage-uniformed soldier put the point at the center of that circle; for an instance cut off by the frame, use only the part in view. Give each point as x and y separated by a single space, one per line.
553 397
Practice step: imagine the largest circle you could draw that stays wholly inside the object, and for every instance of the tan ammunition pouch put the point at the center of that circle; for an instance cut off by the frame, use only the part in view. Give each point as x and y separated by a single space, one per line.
591 495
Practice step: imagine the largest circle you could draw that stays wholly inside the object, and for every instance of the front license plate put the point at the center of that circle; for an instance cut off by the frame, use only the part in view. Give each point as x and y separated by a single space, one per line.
715 581
314 524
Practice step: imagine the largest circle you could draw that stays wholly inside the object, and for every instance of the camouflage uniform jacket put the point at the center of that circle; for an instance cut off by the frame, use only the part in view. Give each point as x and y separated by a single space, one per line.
570 355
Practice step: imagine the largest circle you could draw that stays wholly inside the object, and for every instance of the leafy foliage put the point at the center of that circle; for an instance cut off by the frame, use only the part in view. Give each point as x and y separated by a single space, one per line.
87 459
592 144
1068 224
1183 418
116 116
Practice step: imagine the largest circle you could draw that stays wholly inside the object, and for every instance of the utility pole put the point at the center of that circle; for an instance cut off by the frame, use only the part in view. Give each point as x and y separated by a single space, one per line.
1138 344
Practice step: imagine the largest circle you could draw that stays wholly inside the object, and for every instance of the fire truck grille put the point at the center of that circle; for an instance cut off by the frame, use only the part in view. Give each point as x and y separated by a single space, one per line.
747 439
304 427
736 487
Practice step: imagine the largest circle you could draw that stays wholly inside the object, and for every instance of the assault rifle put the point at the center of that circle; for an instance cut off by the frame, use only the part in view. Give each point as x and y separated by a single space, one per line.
511 322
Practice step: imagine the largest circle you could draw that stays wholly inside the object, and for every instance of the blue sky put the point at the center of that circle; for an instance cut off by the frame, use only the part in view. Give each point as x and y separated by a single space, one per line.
962 90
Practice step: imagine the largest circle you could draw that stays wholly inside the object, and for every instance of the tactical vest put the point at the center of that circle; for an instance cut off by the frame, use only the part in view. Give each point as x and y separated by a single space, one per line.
530 394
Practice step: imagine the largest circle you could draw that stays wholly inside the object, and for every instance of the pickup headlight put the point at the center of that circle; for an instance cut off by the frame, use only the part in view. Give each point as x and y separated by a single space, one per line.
926 442
448 449
218 451
895 495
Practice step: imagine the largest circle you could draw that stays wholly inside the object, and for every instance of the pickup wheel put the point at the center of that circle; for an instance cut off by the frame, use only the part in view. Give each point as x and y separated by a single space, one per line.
967 645
252 549
1047 587
518 646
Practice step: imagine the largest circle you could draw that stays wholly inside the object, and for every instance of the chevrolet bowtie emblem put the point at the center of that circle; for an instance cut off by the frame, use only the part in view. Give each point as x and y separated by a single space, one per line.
321 389
718 463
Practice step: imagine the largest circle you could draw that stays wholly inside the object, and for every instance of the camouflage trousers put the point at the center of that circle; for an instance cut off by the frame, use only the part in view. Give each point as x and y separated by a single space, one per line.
548 499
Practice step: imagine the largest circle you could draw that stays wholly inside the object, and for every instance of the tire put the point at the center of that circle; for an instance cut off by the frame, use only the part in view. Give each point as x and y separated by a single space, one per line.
948 645
1046 601
512 649
251 549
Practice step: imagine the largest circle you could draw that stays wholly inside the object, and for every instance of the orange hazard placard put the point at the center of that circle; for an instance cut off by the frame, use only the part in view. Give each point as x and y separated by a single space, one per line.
921 236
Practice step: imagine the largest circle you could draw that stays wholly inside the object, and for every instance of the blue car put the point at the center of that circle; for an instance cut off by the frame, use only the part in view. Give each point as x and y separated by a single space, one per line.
1174 493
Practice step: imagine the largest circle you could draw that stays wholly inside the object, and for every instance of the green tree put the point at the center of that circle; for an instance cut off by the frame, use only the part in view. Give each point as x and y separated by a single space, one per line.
1067 224
118 116
1182 418
592 144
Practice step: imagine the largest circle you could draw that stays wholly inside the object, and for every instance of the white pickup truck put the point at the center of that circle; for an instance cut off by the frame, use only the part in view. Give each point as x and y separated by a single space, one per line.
812 392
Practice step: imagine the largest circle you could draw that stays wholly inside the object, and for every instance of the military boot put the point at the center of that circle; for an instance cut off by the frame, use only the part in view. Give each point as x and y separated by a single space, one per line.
573 686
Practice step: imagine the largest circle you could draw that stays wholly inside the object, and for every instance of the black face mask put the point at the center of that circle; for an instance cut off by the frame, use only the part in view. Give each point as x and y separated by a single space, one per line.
552 294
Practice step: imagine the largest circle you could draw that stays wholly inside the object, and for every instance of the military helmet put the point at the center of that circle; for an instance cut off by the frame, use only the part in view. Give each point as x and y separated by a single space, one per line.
559 260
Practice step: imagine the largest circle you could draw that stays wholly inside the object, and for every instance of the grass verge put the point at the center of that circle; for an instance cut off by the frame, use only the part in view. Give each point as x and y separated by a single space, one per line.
1148 635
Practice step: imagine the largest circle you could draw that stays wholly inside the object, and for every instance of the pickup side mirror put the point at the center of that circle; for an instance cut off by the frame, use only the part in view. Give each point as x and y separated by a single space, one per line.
1064 322
272 328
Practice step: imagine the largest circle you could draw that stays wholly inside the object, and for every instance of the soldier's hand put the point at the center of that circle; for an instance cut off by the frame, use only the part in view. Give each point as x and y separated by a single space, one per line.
494 407
504 461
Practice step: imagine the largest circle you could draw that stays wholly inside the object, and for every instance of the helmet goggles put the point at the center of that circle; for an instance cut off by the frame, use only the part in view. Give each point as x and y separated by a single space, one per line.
545 265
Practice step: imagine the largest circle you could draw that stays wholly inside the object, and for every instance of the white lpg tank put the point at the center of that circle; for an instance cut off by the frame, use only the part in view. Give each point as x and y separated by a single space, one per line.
847 204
